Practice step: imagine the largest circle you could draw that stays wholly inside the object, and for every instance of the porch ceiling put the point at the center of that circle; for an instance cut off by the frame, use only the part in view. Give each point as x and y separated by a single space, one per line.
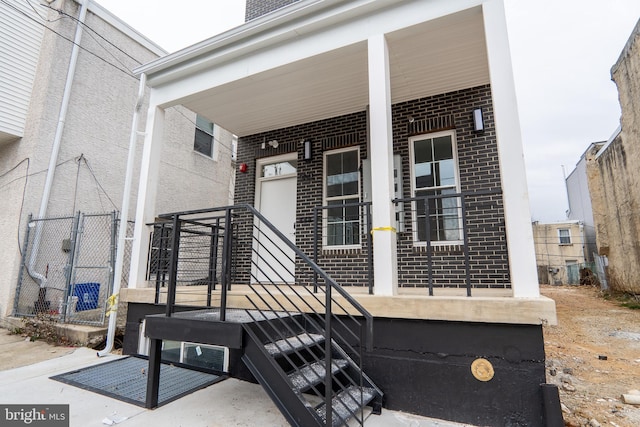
441 55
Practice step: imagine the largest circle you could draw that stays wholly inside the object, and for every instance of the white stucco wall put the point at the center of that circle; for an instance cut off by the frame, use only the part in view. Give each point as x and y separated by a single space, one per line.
93 154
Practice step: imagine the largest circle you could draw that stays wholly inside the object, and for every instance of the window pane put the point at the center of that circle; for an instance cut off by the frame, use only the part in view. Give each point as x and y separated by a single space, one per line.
280 168
565 236
342 174
350 161
444 216
434 169
446 173
343 223
204 124
203 143
422 151
442 148
342 186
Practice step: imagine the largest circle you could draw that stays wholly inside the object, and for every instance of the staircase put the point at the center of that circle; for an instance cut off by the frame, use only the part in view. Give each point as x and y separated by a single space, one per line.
289 360
302 321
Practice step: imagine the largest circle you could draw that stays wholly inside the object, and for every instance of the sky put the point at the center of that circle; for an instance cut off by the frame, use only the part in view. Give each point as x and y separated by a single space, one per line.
562 53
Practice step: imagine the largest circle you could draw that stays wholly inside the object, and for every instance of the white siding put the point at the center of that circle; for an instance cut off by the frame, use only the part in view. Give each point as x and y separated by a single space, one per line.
20 39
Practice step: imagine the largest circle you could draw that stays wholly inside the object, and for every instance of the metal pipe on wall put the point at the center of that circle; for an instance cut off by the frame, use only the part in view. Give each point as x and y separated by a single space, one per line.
57 142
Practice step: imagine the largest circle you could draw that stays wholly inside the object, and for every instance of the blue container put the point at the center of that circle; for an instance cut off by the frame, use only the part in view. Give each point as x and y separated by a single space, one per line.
87 294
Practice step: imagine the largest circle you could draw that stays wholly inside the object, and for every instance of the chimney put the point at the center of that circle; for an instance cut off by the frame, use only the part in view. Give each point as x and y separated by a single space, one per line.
257 8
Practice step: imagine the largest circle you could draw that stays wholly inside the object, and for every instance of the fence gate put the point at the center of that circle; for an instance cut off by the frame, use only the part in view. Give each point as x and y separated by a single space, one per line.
67 267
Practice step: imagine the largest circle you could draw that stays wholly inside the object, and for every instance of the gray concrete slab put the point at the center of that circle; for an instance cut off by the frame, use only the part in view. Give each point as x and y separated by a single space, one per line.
228 403
16 351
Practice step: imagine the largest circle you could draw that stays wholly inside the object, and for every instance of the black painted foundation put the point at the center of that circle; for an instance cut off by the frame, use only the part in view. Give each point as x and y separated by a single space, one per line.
424 367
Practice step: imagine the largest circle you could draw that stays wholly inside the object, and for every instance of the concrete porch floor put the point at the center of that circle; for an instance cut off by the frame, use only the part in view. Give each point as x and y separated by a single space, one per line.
228 403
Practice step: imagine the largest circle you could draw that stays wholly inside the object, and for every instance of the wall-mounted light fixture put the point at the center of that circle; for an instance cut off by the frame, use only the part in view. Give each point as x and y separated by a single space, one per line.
307 150
478 122
273 143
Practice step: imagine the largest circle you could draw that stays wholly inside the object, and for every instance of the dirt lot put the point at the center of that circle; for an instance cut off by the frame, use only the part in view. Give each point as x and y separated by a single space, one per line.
593 355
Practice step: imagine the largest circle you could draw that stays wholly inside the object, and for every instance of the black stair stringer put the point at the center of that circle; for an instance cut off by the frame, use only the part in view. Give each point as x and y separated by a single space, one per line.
291 384
275 382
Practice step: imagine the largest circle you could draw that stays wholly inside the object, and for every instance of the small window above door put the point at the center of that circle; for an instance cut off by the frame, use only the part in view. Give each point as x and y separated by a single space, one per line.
282 168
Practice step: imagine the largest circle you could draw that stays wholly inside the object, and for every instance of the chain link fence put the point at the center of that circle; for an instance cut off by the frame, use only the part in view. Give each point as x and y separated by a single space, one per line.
67 267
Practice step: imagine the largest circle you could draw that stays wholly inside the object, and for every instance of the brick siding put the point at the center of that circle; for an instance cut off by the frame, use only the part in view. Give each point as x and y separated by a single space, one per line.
479 170
257 8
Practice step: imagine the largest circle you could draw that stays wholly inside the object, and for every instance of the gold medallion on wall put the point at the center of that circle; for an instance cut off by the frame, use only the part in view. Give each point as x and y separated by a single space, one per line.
482 369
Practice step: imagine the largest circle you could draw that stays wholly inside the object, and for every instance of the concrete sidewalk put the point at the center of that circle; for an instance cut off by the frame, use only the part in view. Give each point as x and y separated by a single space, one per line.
228 403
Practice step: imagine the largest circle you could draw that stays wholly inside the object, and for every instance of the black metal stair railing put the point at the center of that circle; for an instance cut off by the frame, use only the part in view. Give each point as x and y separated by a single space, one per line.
315 329
325 235
436 220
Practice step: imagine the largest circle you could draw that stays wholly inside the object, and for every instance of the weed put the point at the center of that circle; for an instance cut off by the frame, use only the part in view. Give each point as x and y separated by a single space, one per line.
624 299
41 327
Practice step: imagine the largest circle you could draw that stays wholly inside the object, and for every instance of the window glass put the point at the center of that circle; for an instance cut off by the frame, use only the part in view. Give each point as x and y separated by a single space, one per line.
342 193
342 174
437 217
204 124
203 140
279 168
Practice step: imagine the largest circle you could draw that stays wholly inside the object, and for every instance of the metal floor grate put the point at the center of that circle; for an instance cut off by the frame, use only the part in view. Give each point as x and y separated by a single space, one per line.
126 379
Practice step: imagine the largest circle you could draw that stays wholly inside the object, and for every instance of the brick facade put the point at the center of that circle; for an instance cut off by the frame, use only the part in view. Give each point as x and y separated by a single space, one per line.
257 8
479 171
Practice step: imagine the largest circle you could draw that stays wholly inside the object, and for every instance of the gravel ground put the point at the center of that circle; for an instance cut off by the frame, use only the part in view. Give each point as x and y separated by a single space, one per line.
593 355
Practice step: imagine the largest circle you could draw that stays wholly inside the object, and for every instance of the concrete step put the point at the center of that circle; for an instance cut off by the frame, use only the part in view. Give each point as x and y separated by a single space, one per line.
77 334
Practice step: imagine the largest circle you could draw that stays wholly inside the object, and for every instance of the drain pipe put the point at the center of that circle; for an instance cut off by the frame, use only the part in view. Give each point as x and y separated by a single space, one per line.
55 149
124 216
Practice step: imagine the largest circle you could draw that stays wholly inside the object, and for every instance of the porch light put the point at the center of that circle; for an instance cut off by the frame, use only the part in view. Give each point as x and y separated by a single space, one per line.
478 122
307 150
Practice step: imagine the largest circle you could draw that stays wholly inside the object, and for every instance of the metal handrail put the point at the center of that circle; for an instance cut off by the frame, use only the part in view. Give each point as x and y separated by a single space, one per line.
321 273
367 225
463 218
324 322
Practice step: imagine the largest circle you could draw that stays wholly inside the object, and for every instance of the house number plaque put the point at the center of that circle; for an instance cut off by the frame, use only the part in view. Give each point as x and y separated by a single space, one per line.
482 369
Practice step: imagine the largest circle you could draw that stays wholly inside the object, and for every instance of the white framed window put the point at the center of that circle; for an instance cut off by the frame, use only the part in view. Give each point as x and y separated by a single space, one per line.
203 139
341 188
564 236
434 173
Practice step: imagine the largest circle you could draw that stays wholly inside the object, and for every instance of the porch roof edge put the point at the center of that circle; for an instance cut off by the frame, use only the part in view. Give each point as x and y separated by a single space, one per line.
296 18
255 27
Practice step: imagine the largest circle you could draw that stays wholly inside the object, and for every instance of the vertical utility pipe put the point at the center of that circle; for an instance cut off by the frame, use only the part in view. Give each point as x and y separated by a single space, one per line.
124 217
57 141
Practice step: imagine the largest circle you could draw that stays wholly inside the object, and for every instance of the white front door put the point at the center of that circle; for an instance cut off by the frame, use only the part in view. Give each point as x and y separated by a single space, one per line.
274 262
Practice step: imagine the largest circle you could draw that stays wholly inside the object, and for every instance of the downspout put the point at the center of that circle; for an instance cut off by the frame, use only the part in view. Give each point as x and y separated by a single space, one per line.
57 141
124 216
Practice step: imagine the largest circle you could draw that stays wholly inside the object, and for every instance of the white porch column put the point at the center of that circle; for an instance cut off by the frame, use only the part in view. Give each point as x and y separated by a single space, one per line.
145 208
381 154
522 258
